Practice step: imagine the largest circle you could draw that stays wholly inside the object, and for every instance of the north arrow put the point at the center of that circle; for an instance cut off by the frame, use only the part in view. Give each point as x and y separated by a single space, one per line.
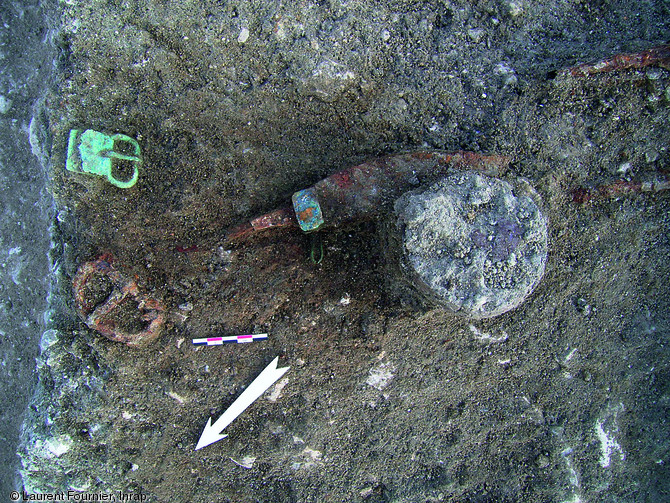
212 432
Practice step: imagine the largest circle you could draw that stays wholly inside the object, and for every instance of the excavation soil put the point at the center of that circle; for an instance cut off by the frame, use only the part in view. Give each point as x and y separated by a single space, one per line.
236 105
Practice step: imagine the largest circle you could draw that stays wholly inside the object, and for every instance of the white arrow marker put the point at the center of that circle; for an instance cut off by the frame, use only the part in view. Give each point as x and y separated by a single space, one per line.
212 432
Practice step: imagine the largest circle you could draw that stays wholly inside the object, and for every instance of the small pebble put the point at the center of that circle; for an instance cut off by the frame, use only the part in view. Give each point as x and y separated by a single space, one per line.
583 306
514 9
542 461
651 156
367 492
244 36
476 34
5 104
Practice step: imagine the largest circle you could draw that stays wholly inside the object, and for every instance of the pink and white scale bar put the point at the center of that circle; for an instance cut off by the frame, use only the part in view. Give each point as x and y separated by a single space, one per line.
239 339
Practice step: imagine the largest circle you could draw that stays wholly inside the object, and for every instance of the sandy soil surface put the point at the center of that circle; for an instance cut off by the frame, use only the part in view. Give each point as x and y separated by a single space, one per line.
236 105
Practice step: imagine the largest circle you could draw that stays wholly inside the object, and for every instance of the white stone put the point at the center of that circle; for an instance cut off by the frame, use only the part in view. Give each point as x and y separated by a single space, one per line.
5 104
381 376
244 35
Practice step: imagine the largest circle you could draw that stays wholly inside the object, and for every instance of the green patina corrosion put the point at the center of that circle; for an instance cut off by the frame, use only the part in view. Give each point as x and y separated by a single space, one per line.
99 154
307 210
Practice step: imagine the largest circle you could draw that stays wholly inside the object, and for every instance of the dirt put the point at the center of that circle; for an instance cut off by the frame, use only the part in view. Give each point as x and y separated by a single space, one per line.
563 399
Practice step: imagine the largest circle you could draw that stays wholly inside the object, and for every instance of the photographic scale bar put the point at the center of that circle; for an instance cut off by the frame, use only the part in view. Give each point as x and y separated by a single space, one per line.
239 339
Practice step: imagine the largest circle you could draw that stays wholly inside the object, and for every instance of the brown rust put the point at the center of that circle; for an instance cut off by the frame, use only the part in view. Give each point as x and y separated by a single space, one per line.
112 304
583 195
364 190
655 56
422 156
283 217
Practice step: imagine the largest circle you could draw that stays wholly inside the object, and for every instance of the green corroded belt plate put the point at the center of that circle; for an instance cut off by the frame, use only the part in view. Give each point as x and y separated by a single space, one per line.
104 155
